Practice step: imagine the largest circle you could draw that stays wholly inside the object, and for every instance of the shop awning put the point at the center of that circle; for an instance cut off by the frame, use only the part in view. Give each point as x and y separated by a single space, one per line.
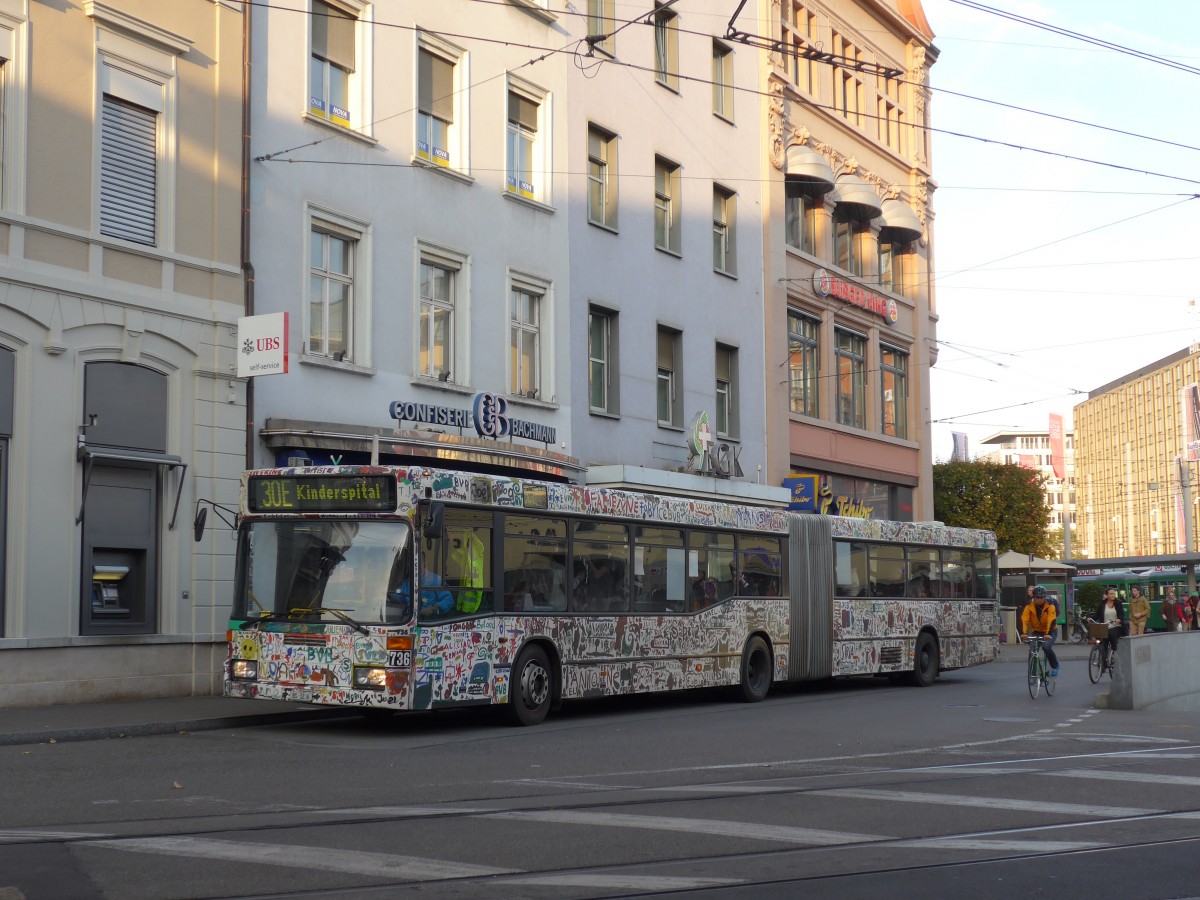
89 455
899 217
806 164
853 190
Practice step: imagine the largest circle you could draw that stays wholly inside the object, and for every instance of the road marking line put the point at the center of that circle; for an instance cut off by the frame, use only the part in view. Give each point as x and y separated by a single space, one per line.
1029 846
719 789
412 812
1040 805
351 862
1142 777
784 834
20 836
622 882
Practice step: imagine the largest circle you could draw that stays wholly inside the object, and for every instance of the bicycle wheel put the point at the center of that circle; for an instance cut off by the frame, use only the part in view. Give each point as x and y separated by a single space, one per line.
1112 662
1048 678
1034 679
1094 660
1078 634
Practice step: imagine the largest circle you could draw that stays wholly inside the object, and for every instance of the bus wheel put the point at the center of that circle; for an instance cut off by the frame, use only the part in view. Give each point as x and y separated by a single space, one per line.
925 661
532 687
756 670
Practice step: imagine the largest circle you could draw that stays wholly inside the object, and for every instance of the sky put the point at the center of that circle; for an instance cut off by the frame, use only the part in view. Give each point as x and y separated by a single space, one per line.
1054 276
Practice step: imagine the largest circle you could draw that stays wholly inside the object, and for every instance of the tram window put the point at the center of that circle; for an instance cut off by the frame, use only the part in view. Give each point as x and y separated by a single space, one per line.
760 560
850 567
659 570
711 568
984 588
600 568
468 574
956 574
888 571
924 572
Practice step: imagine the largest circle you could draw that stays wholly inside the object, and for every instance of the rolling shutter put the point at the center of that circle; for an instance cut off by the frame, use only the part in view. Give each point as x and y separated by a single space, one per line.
128 171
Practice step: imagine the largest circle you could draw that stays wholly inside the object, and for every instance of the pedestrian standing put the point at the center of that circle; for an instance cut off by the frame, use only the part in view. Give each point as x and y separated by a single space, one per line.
1139 612
1170 611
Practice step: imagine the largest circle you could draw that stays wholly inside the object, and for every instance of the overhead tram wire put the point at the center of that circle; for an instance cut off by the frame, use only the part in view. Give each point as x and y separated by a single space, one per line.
830 59
548 51
1079 36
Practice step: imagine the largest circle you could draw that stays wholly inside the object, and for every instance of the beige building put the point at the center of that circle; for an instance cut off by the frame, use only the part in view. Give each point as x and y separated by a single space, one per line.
120 289
1128 434
1032 450
850 315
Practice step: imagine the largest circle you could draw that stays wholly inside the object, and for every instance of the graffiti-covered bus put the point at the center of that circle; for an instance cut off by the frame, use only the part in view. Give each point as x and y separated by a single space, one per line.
530 593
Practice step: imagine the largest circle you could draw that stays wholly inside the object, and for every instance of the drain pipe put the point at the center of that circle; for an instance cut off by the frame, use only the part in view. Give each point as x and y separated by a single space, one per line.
247 266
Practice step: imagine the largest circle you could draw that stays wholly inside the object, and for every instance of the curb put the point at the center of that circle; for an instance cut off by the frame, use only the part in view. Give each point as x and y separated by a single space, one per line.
147 729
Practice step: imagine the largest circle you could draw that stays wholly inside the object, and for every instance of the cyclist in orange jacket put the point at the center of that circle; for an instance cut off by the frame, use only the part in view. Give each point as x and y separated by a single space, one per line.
1039 617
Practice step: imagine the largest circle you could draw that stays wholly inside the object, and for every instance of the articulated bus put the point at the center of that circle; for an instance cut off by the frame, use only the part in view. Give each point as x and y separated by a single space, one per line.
531 593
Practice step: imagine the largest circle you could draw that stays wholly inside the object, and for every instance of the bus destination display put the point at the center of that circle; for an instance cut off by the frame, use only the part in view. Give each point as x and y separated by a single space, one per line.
316 493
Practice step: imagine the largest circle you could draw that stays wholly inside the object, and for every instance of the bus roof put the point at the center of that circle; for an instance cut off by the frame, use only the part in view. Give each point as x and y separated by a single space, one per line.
415 483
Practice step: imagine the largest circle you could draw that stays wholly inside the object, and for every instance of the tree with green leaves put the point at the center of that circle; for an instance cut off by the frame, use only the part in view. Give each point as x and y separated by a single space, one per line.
1001 497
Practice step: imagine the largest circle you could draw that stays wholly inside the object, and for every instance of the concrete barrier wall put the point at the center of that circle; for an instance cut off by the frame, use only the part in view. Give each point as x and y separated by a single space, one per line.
1156 671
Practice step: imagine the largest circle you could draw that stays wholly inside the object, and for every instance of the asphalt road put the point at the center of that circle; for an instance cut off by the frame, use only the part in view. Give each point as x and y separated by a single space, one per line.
852 789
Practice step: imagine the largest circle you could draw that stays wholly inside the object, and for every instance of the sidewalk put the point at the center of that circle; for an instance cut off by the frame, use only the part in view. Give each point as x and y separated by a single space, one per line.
99 721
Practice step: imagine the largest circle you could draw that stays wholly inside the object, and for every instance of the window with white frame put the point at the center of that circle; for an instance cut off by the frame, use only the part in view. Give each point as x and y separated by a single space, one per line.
799 33
804 363
722 80
526 311
891 115
602 177
727 406
668 232
335 253
13 80
602 20
441 105
666 46
135 116
333 62
801 203
849 230
847 80
669 377
602 360
895 260
724 230
893 367
528 132
850 353
438 300
128 171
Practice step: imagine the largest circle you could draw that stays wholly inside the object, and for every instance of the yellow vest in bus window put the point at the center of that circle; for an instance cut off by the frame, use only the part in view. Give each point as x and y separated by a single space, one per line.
469 558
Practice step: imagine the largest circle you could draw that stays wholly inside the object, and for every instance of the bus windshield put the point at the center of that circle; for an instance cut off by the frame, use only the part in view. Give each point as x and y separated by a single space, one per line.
327 570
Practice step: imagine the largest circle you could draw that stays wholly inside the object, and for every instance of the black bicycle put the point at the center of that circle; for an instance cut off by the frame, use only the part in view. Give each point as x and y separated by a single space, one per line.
1103 658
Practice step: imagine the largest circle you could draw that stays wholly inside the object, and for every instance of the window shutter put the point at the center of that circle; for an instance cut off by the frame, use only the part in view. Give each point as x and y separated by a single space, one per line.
522 111
435 86
333 35
128 171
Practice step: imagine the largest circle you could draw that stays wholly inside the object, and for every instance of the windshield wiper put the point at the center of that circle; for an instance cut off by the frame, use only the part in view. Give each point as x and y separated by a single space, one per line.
336 613
264 616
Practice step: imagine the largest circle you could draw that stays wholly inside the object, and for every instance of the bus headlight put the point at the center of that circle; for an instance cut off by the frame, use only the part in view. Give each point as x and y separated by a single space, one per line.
243 669
371 678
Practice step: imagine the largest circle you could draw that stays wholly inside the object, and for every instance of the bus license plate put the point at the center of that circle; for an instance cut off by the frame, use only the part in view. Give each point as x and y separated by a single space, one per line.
302 695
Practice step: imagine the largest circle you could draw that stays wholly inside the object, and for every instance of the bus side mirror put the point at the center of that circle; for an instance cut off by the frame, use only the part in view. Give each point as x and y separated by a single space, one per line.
198 525
432 525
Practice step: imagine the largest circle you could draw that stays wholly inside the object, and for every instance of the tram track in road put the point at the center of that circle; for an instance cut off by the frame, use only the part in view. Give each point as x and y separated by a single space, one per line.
242 837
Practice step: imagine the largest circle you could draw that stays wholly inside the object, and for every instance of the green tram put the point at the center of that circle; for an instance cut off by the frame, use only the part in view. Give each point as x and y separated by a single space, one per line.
1153 580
